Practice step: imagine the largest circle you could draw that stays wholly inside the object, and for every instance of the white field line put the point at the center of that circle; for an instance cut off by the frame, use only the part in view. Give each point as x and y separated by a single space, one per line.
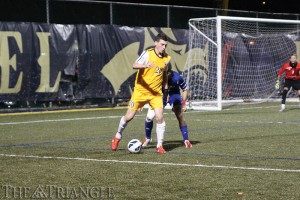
66 119
105 117
112 117
252 122
244 108
152 163
117 117
58 120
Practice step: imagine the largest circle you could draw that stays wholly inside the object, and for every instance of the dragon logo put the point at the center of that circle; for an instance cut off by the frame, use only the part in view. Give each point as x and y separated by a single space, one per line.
119 69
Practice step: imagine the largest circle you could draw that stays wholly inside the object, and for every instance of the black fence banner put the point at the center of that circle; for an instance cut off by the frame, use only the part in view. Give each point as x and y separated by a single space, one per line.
54 62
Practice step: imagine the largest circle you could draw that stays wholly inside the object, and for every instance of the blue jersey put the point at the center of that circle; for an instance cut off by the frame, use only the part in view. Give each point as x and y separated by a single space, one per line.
175 83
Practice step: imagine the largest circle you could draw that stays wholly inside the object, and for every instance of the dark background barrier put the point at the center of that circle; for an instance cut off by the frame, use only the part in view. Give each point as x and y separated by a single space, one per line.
72 63
128 14
79 14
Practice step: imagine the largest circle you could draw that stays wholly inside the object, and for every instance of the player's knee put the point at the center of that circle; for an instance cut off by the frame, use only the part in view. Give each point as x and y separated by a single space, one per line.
159 119
159 115
150 114
148 119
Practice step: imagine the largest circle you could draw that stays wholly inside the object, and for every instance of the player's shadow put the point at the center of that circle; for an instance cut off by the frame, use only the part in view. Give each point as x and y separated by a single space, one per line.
173 144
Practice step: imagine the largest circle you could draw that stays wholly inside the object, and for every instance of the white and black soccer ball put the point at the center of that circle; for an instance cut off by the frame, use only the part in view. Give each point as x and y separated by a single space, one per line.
134 146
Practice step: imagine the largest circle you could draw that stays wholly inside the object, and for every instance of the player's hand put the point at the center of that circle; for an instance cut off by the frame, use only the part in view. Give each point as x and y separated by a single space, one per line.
165 103
277 85
183 106
140 109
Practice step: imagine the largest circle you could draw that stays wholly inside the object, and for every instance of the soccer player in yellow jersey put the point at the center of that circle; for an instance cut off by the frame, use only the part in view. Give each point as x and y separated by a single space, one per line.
151 76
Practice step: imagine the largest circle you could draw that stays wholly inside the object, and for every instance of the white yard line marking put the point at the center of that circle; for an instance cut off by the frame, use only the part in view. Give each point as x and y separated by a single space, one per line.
63 120
152 163
114 117
252 122
58 111
57 120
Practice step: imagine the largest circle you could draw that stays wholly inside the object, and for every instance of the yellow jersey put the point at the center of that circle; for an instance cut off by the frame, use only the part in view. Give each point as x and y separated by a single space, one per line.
149 80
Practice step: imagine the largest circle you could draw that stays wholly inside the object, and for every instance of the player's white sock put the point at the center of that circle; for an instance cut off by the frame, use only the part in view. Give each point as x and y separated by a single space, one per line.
118 135
122 126
282 108
160 132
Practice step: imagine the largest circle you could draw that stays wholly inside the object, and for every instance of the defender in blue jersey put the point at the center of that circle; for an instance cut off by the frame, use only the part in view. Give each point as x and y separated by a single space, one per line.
175 84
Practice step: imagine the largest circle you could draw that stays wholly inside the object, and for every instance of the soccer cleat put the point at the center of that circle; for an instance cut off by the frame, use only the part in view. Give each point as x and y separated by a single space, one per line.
282 108
115 143
188 144
146 141
160 150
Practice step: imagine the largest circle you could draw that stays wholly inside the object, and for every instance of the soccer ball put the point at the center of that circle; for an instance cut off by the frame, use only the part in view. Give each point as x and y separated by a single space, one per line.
134 146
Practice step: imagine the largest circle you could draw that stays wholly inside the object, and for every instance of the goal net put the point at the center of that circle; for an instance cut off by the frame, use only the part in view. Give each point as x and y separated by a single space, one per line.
235 59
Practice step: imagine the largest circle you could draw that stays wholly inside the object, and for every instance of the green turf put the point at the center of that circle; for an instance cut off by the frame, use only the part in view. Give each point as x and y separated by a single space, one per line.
242 152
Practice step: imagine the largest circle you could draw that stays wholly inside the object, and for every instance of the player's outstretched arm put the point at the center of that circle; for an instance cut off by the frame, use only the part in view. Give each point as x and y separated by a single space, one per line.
184 98
137 65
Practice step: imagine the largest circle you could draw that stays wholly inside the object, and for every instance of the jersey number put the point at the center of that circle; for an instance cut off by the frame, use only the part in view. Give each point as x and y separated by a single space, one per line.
158 71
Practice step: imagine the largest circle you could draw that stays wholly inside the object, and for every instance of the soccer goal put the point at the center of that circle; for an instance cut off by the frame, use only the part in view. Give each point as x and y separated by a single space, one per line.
236 59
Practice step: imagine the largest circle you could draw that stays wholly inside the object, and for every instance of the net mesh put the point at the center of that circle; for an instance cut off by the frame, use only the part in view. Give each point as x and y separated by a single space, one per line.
252 52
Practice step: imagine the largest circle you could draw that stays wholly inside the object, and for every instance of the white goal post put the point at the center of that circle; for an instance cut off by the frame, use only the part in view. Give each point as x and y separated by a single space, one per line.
236 59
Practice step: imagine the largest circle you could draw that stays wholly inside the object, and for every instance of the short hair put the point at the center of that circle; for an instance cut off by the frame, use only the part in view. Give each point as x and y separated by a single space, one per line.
294 55
161 36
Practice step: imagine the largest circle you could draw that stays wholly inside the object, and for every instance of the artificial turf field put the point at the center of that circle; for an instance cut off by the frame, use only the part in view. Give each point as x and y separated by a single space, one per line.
247 151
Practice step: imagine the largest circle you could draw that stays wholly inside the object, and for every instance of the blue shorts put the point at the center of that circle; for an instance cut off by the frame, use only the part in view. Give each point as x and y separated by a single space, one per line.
175 99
